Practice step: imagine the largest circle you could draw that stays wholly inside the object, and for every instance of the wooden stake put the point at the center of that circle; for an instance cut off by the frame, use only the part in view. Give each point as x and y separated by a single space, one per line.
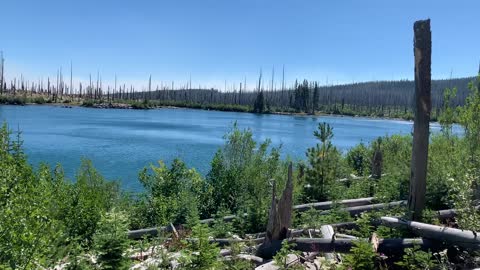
422 51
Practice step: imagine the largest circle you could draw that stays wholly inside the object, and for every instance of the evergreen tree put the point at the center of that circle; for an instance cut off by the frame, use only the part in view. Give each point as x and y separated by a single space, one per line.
323 169
316 96
259 105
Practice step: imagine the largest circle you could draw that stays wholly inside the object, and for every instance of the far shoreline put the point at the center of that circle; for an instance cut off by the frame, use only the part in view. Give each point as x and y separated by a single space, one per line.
125 106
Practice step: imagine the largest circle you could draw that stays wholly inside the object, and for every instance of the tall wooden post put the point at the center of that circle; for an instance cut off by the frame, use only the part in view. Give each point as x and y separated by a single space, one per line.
418 176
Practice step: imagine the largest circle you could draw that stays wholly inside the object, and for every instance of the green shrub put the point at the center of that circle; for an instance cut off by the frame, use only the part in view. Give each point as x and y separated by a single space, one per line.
29 236
200 253
324 166
176 194
361 256
111 242
281 257
359 159
241 174
414 258
39 100
87 199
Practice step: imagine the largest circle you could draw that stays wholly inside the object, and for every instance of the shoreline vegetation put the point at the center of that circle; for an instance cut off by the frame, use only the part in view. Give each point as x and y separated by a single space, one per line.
389 100
50 221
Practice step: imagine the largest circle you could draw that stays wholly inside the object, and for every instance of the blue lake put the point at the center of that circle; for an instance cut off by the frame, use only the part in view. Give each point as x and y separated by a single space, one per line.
121 142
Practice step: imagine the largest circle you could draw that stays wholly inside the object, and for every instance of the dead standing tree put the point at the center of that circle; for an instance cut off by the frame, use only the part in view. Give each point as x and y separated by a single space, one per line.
2 61
418 176
279 218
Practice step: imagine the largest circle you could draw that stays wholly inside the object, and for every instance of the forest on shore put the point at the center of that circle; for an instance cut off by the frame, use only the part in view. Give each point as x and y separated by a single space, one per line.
389 99
48 220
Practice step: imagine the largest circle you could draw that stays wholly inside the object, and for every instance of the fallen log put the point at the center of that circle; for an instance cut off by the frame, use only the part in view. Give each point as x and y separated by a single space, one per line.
289 260
137 234
328 204
346 236
328 233
462 238
386 246
354 177
355 210
450 213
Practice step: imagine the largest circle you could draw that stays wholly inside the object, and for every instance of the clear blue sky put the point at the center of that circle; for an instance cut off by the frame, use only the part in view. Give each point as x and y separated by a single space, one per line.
218 40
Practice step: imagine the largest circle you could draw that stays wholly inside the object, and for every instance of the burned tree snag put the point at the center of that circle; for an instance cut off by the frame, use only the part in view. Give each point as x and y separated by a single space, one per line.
279 218
422 108
2 61
377 160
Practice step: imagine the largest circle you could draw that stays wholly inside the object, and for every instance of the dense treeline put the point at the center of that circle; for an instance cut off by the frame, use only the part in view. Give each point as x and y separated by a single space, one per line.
48 220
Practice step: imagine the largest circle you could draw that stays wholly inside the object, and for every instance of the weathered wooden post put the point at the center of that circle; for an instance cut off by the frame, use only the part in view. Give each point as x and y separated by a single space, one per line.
422 108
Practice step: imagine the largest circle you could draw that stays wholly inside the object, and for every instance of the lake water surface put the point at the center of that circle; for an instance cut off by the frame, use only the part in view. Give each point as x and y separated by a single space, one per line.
121 142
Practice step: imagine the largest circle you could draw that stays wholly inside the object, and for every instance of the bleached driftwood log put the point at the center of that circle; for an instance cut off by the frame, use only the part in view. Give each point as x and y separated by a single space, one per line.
462 238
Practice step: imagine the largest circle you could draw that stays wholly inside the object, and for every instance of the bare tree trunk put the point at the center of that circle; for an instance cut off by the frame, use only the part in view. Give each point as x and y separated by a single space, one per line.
2 61
279 218
422 51
71 78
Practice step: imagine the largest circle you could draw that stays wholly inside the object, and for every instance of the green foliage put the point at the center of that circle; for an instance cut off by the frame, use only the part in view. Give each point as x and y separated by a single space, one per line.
111 242
462 197
448 115
469 117
414 258
88 103
259 105
176 194
324 165
241 173
281 258
47 219
366 228
221 228
358 158
312 219
29 235
236 263
361 256
200 253
85 202
39 100
12 100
